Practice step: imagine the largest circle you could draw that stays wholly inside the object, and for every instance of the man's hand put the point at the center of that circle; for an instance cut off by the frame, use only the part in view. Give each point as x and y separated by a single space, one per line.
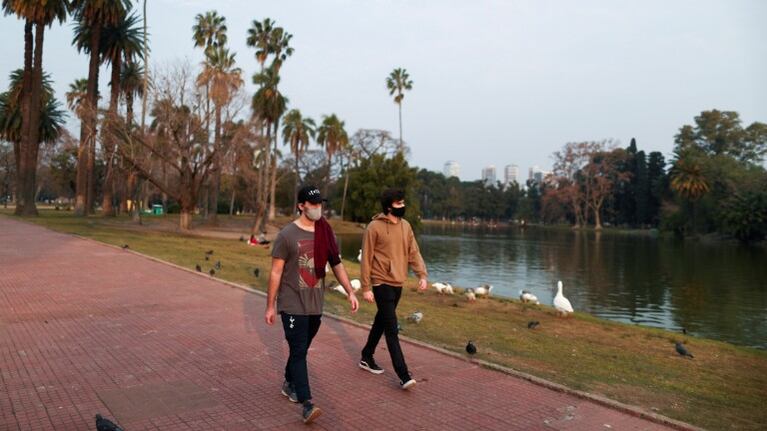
354 303
422 284
368 296
270 315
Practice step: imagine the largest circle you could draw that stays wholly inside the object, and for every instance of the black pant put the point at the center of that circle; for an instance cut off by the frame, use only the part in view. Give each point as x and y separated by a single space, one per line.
387 298
299 332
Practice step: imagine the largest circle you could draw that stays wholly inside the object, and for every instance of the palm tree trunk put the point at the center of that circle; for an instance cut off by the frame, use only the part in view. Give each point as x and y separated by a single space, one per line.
33 137
107 204
21 158
297 183
273 181
215 182
400 125
206 191
129 109
92 116
346 187
144 93
260 223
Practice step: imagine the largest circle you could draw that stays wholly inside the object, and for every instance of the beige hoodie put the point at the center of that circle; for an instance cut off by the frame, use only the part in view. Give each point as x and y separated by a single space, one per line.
387 250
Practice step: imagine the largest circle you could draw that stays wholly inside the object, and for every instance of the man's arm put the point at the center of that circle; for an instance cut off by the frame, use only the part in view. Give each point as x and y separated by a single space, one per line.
415 260
275 276
343 278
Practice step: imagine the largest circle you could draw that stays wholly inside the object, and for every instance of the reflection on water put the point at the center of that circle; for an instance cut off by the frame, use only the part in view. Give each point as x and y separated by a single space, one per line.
714 290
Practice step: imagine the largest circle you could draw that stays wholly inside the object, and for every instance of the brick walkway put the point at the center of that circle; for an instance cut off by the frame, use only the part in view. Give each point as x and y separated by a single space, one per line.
87 329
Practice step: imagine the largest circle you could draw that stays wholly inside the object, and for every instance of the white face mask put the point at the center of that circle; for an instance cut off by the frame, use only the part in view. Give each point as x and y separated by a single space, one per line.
313 213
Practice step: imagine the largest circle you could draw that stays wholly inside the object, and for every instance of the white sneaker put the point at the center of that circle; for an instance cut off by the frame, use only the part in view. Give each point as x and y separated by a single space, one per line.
407 385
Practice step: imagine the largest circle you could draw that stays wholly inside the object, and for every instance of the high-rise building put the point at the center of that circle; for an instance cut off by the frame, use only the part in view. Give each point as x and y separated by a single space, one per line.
451 169
488 175
511 174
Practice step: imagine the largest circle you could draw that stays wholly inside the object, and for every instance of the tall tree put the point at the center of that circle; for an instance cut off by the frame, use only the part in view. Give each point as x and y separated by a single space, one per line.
656 177
261 37
297 132
209 33
131 85
222 79
397 83
333 137
40 14
120 43
94 14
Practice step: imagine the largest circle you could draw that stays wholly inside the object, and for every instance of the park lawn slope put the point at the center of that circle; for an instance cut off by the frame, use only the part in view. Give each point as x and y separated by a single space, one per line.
724 387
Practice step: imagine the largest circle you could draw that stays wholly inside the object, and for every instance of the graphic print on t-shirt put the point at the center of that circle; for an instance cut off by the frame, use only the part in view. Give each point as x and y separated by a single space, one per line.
306 275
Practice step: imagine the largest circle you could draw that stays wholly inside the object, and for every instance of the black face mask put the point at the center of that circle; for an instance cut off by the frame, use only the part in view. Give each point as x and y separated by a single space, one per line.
398 212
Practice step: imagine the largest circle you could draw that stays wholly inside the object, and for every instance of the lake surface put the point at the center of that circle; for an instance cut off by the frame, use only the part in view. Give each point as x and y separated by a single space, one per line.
713 290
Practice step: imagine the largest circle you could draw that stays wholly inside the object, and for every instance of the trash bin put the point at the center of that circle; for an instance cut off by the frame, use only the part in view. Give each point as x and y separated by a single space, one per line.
157 209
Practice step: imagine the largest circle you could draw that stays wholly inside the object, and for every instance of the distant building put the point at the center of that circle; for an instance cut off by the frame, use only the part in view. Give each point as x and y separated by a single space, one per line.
488 175
510 174
451 169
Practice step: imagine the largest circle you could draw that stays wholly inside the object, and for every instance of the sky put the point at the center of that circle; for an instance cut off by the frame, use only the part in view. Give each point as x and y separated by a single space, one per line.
495 82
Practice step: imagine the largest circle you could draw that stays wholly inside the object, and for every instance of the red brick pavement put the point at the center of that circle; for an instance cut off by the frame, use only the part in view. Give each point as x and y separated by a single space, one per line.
87 328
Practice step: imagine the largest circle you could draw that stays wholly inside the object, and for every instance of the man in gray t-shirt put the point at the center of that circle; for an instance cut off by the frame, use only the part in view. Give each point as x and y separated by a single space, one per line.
296 288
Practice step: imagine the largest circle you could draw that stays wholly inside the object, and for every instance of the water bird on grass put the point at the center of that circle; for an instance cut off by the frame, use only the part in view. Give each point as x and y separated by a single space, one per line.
256 272
356 284
212 272
242 238
125 246
471 348
359 256
416 317
483 290
533 324
209 253
526 296
104 424
562 304
470 295
217 265
683 350
198 268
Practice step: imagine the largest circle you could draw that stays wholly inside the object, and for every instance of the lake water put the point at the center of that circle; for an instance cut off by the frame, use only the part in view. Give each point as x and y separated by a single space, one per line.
713 290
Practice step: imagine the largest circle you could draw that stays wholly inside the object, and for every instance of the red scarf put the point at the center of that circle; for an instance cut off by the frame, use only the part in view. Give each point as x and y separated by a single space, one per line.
325 247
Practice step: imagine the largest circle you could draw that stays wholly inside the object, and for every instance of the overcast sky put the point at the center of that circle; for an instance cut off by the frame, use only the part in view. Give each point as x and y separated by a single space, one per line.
495 82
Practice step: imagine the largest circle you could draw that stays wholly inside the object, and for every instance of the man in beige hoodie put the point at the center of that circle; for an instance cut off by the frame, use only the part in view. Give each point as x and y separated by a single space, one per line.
388 248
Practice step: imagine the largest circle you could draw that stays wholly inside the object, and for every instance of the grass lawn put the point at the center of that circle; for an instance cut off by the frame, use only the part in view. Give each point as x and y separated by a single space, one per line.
724 387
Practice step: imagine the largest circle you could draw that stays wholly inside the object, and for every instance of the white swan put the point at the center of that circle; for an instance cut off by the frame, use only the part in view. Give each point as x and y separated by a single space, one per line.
356 284
470 295
449 289
483 290
561 303
359 256
527 296
440 287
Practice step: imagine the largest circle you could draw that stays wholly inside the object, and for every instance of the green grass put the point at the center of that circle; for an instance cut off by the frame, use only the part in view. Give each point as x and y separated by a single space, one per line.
724 387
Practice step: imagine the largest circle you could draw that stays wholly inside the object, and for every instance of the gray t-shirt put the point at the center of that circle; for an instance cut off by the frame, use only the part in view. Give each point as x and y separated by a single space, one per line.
300 292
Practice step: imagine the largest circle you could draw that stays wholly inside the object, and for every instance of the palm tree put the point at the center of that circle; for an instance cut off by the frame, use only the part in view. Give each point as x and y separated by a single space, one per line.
268 106
37 13
297 131
119 40
51 117
331 135
689 180
397 82
222 79
94 14
280 46
261 37
76 96
131 85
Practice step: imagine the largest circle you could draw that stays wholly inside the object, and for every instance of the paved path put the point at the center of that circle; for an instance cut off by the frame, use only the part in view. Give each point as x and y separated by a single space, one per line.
86 328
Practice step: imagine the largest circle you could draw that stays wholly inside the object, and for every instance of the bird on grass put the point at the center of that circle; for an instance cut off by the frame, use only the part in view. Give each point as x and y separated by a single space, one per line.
416 317
198 268
356 284
104 424
359 256
533 324
562 304
684 331
242 238
212 272
470 295
217 265
471 348
209 252
483 290
125 246
683 350
443 288
256 272
527 296
207 257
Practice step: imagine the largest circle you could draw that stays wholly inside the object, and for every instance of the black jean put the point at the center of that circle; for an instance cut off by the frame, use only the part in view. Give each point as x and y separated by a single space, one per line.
385 323
299 332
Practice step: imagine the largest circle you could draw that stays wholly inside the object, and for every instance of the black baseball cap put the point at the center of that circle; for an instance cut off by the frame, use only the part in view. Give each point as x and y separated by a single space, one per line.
310 194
